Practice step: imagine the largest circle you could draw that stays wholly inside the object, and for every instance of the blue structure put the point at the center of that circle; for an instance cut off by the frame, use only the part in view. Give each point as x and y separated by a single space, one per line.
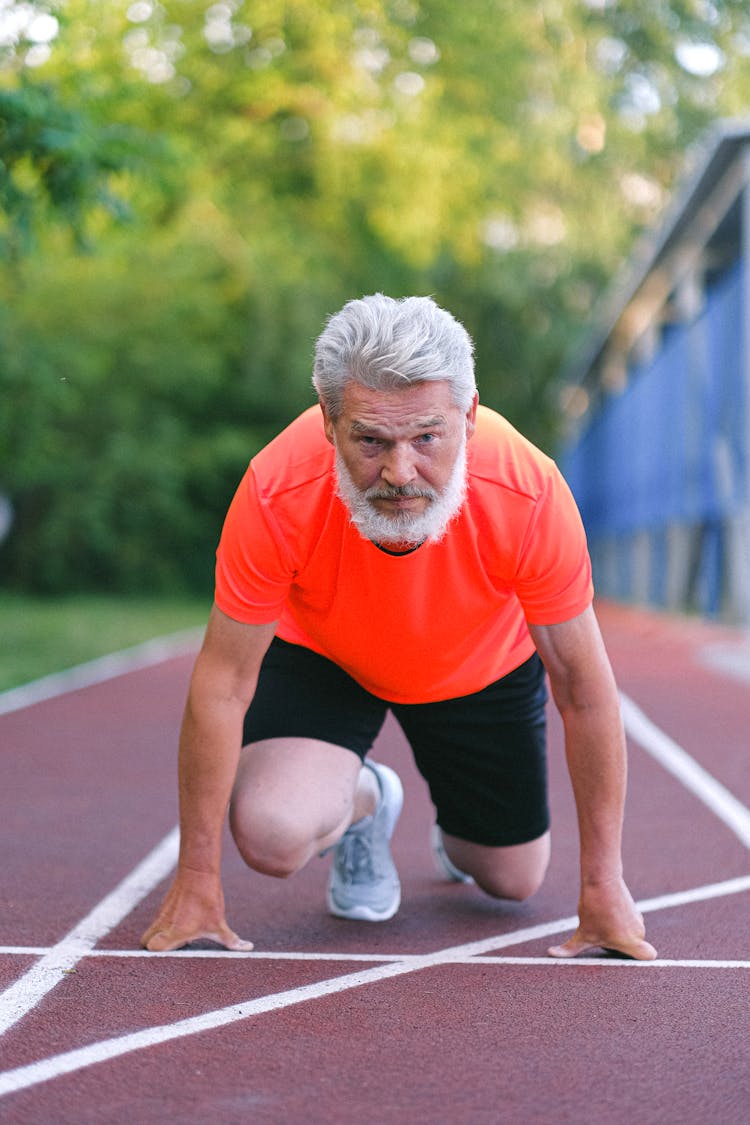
658 456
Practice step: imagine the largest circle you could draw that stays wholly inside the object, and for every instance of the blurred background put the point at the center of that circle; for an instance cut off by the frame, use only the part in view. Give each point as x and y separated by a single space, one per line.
187 191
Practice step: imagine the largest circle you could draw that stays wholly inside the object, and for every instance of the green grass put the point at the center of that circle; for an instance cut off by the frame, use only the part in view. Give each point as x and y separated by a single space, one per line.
43 635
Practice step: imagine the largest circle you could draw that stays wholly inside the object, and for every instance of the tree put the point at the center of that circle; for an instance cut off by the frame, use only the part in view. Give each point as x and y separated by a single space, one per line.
53 165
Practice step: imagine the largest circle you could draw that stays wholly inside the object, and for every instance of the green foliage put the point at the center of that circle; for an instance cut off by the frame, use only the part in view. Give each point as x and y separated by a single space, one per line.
276 159
126 433
54 163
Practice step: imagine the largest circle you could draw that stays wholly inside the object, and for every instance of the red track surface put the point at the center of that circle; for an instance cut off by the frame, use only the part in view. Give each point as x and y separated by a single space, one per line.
88 790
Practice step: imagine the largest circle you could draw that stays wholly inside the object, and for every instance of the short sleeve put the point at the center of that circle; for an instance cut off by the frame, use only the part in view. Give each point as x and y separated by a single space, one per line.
252 576
553 580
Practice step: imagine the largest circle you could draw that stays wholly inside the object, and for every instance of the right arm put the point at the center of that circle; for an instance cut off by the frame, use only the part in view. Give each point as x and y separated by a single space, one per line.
221 688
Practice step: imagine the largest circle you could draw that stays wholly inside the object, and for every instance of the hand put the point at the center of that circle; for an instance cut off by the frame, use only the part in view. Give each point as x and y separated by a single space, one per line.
192 911
607 919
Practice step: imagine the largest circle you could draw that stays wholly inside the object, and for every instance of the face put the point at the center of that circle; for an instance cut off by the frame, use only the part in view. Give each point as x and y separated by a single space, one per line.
400 459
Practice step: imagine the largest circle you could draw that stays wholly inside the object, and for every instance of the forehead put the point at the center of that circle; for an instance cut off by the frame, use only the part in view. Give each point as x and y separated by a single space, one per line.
417 404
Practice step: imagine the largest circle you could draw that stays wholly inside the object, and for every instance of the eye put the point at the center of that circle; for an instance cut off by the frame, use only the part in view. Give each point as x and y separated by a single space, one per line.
425 439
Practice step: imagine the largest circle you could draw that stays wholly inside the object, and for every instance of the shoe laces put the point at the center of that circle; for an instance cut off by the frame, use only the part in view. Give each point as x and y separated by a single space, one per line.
354 858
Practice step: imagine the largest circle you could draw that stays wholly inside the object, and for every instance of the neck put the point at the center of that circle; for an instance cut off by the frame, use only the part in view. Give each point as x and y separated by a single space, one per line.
397 548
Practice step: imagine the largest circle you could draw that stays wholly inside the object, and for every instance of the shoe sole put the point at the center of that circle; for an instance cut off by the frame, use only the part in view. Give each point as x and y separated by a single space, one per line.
362 913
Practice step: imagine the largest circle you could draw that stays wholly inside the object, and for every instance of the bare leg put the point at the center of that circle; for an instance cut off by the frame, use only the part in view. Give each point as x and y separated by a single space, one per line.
294 797
512 872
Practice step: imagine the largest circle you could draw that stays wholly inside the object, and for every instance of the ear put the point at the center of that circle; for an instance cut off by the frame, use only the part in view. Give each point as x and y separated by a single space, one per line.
471 415
327 422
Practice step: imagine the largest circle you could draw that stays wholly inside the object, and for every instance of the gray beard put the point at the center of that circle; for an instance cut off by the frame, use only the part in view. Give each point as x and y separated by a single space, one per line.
403 528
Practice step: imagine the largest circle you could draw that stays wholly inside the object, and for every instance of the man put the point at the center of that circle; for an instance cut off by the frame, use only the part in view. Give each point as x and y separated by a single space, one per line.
399 548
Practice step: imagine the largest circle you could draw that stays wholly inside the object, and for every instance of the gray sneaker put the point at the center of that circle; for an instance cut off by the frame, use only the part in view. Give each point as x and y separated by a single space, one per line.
364 882
444 864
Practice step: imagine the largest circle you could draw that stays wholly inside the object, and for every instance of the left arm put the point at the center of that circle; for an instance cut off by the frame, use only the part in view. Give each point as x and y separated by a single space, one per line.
584 690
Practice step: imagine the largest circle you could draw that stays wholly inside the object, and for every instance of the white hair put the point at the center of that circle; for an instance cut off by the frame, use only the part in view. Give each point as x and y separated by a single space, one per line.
385 344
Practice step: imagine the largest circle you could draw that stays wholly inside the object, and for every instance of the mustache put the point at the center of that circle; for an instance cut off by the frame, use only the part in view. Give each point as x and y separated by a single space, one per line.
401 492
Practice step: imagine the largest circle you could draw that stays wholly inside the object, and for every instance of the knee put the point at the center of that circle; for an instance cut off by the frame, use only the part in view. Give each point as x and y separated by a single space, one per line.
269 842
516 872
516 886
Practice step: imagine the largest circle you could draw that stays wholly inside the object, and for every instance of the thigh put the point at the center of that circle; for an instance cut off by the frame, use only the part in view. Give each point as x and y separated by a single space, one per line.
302 695
305 736
484 759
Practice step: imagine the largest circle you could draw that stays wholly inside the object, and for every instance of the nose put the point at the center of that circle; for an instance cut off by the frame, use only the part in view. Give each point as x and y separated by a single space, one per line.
398 467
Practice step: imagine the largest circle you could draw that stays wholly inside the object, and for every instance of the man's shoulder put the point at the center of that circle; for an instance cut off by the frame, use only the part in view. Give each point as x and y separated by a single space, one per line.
500 456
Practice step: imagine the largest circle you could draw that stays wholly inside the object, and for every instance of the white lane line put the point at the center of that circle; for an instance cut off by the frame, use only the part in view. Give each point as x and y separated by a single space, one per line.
37 981
606 963
98 671
697 894
678 762
45 1069
730 659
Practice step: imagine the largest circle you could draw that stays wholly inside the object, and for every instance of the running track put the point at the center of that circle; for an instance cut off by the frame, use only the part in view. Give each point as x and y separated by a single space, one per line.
449 1013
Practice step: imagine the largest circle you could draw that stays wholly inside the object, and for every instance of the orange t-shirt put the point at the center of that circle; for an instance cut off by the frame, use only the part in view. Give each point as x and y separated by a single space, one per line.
440 622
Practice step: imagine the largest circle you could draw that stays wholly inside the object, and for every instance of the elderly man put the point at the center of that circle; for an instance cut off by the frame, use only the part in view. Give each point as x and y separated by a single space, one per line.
399 547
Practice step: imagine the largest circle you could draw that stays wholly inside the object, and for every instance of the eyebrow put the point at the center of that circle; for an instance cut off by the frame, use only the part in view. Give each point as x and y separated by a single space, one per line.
358 427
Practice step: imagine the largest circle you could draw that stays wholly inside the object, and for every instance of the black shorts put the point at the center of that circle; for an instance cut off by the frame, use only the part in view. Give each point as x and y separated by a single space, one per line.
483 755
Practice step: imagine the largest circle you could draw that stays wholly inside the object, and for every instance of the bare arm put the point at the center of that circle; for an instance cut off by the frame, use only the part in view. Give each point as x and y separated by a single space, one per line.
585 693
221 688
